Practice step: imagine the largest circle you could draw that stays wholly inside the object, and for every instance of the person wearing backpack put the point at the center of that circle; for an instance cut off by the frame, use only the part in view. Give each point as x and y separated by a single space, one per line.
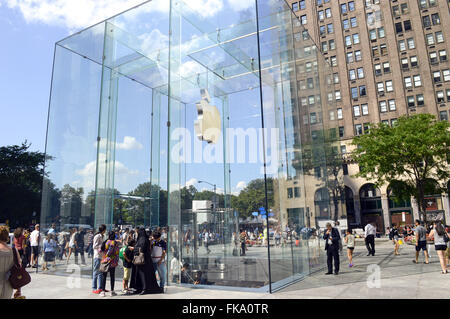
441 239
110 249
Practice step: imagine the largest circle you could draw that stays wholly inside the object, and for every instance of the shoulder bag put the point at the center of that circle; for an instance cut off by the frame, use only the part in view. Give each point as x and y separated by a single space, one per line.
139 259
19 276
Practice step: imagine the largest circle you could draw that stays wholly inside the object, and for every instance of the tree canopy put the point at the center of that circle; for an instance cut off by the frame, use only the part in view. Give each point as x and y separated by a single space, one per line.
21 175
406 156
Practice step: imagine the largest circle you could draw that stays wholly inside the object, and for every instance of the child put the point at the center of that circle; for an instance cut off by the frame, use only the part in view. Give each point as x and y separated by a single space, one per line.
350 241
128 264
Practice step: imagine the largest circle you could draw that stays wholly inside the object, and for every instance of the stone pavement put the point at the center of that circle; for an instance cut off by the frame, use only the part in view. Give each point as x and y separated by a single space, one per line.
398 277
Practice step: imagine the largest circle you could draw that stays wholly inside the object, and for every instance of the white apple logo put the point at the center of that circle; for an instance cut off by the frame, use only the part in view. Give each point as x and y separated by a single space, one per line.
209 124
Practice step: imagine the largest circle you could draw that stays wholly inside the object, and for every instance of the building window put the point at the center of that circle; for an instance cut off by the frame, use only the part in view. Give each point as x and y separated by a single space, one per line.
440 97
358 129
443 115
360 72
343 8
332 45
338 95
362 90
392 106
389 86
343 149
448 95
398 27
356 38
345 24
411 101
426 21
297 192
414 62
302 4
377 69
439 37
433 58
437 76
330 28
383 107
365 109
442 55
339 114
380 87
341 131
304 19
405 63
383 49
353 22
408 82
328 13
411 44
358 55
356 110
430 38
446 74
290 193
417 81
354 92
435 19
386 67
349 57
407 25
351 6
352 74
401 45
336 78
420 100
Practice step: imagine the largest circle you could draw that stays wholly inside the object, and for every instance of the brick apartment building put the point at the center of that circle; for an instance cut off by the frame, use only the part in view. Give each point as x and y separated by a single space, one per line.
389 58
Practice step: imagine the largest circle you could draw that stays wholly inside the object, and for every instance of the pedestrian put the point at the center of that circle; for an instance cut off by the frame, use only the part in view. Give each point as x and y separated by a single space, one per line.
128 254
35 238
143 279
369 232
206 241
175 269
350 241
243 241
159 251
72 244
394 237
421 241
27 248
331 238
49 251
6 263
79 246
187 240
441 239
19 243
90 243
110 249
96 274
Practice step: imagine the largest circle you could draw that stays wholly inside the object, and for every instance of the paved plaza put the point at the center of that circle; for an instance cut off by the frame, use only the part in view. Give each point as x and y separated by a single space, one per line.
381 276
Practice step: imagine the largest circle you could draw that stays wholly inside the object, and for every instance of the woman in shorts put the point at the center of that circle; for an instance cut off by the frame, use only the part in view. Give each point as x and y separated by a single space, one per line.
350 241
438 233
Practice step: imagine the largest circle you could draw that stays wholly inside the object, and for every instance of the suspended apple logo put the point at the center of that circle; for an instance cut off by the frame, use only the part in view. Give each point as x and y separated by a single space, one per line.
209 124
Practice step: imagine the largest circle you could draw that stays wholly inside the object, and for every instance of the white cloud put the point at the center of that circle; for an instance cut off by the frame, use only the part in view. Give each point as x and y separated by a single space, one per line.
129 143
191 182
76 14
241 185
90 168
239 5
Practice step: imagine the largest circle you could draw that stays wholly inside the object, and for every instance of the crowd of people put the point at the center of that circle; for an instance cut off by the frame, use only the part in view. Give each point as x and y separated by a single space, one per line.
419 236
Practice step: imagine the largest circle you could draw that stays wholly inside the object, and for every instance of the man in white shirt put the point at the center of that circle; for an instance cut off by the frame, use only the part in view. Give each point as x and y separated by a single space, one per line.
96 274
35 237
369 232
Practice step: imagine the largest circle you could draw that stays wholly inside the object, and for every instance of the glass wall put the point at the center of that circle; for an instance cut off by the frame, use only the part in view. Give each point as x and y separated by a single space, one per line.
215 122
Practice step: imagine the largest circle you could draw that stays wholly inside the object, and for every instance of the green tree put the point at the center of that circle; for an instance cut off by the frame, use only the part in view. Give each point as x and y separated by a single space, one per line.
21 176
253 197
414 151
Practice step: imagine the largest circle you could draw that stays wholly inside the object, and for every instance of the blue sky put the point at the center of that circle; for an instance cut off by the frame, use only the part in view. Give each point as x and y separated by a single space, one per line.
28 32
26 62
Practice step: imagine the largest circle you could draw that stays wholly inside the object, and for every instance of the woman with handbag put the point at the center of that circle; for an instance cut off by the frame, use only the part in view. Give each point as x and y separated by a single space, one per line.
143 277
110 260
12 274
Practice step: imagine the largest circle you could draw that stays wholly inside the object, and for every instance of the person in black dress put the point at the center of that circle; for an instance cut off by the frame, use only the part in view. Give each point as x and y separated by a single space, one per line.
143 279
